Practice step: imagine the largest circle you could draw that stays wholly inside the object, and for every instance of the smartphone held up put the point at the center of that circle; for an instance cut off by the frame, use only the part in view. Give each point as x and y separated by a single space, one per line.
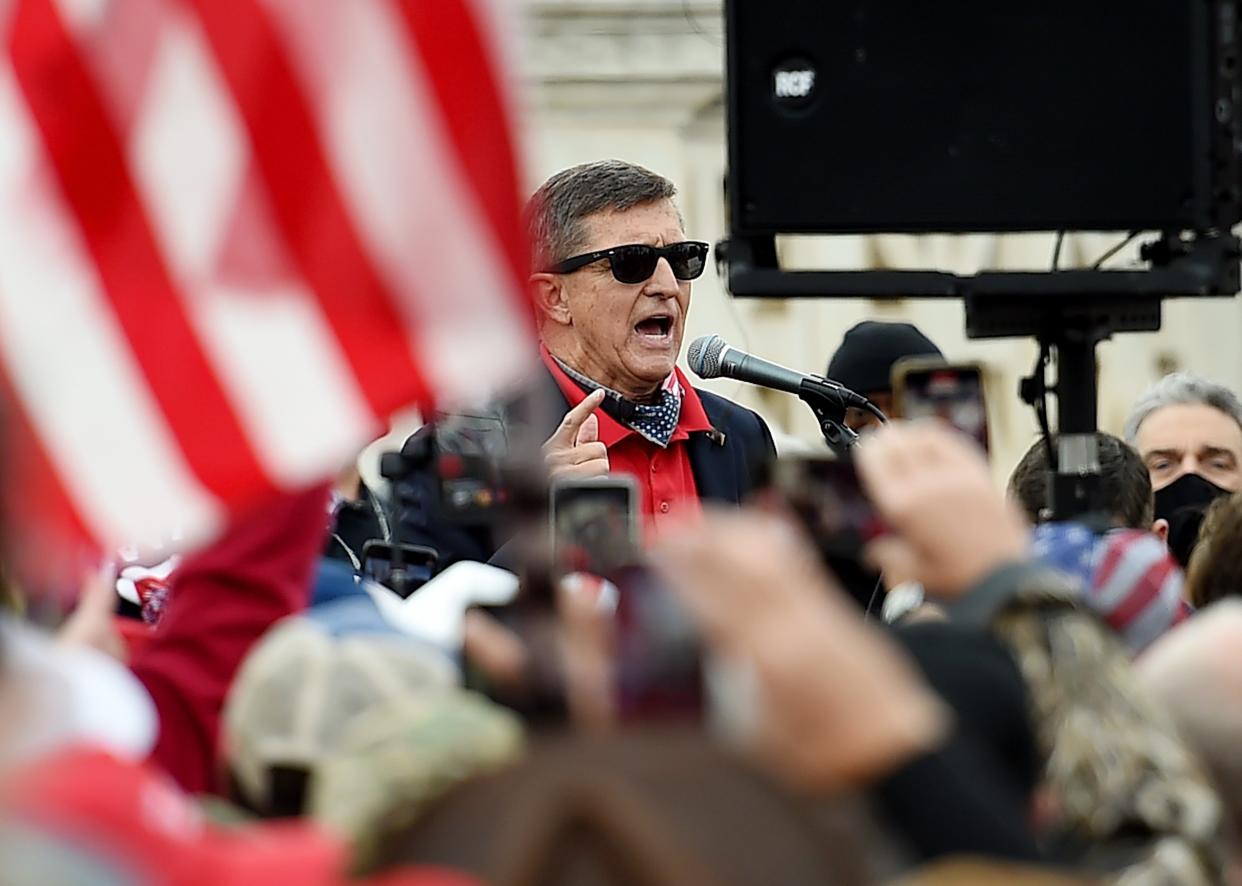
950 392
651 648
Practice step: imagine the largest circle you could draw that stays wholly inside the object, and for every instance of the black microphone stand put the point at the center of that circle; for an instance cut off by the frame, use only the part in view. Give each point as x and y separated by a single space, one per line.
829 408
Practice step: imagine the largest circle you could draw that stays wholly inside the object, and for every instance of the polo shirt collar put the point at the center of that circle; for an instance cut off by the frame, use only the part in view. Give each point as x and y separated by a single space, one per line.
693 418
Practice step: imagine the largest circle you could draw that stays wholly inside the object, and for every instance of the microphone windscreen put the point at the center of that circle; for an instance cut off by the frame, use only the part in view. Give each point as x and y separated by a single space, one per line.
704 355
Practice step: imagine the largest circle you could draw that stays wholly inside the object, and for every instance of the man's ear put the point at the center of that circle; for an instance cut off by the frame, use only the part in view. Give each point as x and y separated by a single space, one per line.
548 294
1160 529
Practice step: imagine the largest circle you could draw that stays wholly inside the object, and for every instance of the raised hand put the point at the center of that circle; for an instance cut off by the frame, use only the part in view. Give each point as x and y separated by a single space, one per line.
838 704
574 449
951 524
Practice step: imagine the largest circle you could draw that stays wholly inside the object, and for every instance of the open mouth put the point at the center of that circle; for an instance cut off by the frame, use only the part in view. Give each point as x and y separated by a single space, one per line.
655 327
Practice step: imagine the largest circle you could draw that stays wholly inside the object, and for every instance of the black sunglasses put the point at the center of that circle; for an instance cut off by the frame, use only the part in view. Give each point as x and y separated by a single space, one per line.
636 262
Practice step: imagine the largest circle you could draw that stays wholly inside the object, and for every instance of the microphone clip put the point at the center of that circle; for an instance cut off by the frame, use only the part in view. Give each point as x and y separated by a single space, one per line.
829 407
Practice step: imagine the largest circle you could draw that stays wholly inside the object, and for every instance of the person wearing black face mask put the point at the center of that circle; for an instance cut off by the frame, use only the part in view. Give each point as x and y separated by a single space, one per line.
1188 431
1182 504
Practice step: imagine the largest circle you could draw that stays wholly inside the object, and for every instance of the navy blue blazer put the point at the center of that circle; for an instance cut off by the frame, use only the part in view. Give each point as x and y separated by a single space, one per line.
727 463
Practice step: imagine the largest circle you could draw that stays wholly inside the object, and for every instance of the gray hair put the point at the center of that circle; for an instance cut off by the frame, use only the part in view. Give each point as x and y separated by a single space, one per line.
555 213
1182 388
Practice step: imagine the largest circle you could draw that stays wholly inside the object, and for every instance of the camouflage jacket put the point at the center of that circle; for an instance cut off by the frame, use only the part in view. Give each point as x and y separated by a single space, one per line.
1123 794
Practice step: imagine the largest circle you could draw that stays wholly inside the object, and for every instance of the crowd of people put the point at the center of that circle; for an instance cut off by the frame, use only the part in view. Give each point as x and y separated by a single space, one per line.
975 691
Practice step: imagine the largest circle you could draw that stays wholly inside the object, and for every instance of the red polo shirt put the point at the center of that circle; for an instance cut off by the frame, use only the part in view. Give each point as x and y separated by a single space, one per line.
665 482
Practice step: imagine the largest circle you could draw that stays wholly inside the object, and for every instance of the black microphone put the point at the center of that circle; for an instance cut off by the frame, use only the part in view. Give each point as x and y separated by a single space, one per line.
710 356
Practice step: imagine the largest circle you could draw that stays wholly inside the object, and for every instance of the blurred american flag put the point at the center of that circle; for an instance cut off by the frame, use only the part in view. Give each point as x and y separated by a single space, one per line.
235 235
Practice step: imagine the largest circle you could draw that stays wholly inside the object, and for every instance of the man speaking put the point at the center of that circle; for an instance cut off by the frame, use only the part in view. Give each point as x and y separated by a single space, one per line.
613 271
612 291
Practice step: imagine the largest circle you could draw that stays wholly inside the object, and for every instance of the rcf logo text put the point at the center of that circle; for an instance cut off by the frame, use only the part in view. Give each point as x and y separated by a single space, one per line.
794 84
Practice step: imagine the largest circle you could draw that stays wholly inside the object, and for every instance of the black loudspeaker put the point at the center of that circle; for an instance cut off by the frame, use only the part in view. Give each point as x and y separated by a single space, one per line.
870 116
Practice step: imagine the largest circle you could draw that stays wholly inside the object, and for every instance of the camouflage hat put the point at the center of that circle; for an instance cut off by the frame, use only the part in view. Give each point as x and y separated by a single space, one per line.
399 756
306 682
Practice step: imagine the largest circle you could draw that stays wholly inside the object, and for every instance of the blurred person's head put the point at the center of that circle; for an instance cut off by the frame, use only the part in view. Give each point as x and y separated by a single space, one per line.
1124 484
304 685
1185 425
1196 674
643 807
1215 570
864 363
623 335
1188 431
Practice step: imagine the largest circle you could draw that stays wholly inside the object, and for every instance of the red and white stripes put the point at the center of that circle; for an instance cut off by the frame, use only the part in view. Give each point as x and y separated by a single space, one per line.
235 235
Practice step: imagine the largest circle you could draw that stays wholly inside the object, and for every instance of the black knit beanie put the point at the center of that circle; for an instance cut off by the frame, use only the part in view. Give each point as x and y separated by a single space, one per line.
864 362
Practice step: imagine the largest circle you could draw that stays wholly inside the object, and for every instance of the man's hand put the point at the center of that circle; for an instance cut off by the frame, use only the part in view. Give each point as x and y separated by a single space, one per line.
574 449
951 525
838 704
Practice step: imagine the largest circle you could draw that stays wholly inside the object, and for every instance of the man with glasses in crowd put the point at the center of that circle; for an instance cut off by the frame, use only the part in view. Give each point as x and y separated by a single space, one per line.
611 286
1188 431
613 271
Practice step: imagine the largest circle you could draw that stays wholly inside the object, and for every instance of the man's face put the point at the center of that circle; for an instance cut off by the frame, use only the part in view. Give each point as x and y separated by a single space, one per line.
627 335
1191 439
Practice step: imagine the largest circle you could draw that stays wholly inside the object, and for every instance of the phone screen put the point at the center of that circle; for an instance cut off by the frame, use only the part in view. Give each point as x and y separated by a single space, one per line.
953 394
594 525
